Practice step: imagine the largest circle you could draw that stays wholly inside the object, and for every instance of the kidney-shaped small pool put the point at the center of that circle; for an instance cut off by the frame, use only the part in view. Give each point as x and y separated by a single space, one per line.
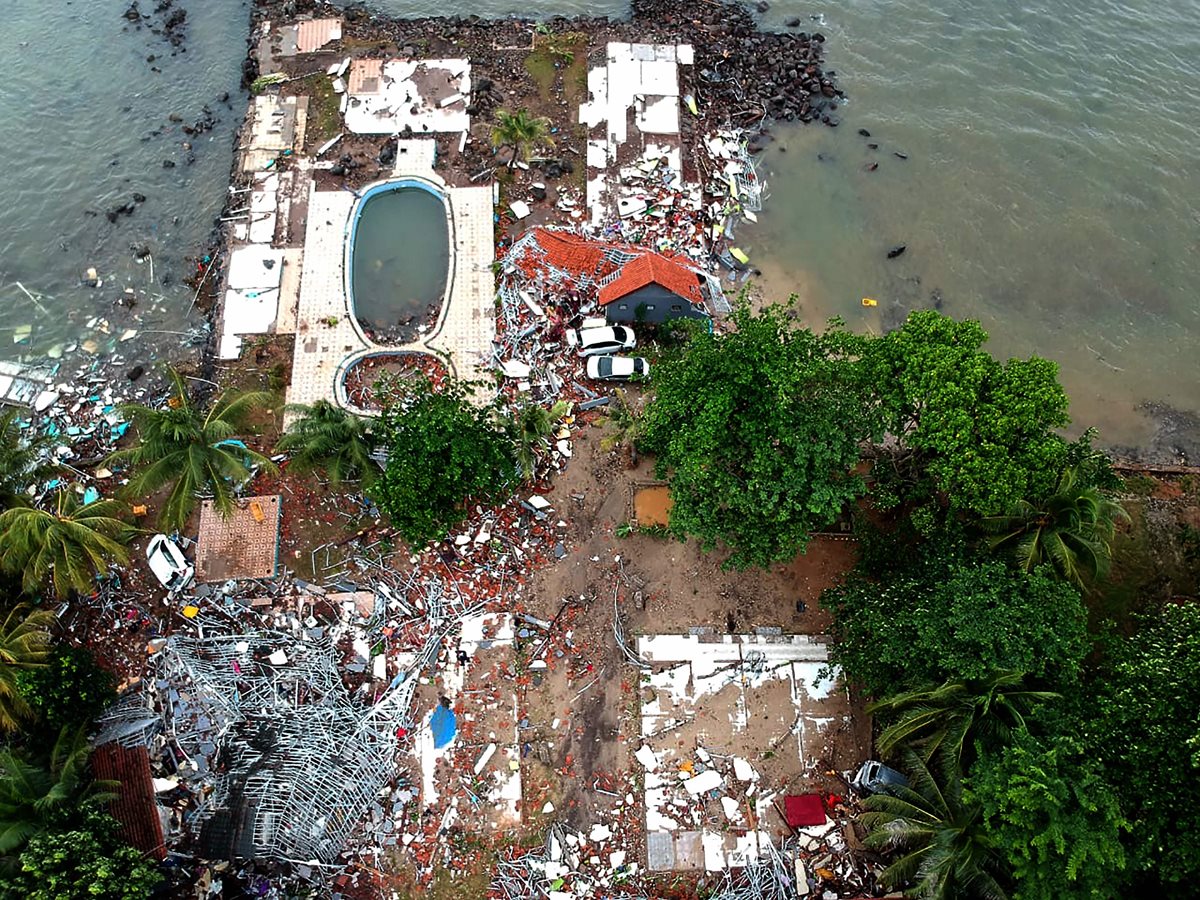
399 258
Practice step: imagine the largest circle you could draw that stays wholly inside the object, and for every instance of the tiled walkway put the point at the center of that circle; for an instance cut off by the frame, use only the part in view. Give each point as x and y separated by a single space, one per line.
328 338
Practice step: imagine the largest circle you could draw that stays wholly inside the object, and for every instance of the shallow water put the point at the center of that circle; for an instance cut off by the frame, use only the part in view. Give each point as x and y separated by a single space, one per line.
399 257
1050 189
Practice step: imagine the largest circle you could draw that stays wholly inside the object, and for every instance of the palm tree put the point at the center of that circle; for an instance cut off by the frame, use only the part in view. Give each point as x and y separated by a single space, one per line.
34 799
24 644
534 425
65 548
194 452
949 719
24 460
1072 529
944 846
330 438
520 131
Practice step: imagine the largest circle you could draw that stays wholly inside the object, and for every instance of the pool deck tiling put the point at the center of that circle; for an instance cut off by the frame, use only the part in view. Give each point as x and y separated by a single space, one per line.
328 338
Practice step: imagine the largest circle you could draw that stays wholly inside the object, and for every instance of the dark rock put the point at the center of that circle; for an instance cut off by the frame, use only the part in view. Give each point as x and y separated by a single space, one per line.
793 22
168 164
135 373
899 155
872 146
864 132
897 251
139 198
133 14
763 6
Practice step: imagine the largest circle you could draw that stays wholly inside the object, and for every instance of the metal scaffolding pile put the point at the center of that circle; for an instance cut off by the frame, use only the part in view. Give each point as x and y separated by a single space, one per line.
278 743
772 876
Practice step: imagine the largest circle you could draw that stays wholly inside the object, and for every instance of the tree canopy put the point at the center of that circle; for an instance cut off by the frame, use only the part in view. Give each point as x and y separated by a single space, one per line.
1054 818
981 431
1146 727
961 617
441 450
757 432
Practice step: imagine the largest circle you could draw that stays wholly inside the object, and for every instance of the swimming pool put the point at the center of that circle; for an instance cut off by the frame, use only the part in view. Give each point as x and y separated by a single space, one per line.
398 258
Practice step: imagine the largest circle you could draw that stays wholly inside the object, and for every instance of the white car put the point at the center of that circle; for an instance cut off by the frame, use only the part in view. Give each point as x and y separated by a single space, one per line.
617 368
168 563
608 339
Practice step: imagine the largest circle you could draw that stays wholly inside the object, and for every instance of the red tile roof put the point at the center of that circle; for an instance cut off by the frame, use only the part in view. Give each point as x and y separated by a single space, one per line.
652 268
134 806
574 253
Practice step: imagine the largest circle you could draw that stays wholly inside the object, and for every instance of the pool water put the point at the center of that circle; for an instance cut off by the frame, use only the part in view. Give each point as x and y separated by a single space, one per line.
399 257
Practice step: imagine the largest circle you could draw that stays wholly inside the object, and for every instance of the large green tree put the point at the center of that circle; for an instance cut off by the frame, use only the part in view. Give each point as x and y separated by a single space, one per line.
68 691
757 432
979 431
959 616
64 548
441 450
194 452
86 859
328 438
943 850
1052 815
1146 727
950 720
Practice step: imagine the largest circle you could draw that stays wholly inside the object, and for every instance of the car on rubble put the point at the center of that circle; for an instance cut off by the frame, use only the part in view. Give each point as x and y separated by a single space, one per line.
169 565
604 339
876 778
617 368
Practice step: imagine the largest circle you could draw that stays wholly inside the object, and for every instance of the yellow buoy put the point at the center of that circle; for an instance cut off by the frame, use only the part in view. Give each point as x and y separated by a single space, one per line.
867 301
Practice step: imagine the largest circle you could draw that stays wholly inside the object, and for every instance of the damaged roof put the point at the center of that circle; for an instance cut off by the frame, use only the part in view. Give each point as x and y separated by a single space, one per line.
134 805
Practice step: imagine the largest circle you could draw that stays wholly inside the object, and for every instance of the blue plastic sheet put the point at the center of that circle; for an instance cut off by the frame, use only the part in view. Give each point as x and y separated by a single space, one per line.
444 725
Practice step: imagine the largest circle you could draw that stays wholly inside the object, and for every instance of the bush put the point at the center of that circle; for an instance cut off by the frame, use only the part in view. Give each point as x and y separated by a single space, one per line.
71 690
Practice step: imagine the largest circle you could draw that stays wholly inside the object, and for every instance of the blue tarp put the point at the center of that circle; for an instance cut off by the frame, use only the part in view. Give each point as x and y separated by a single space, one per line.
444 725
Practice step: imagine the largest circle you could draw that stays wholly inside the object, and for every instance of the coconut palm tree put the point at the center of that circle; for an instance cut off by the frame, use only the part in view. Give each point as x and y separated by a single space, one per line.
24 460
535 424
1072 529
945 851
64 548
520 131
194 452
34 799
24 644
328 437
949 719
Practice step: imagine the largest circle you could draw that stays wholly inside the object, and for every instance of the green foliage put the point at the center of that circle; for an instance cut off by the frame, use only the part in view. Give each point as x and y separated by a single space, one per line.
35 799
87 860
945 851
954 719
65 549
520 131
757 432
70 690
328 438
1049 811
1072 529
192 451
1146 728
955 617
24 645
24 460
535 424
441 450
981 431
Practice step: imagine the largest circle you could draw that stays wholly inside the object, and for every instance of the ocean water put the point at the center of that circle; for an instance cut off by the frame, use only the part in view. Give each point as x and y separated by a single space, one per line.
1050 188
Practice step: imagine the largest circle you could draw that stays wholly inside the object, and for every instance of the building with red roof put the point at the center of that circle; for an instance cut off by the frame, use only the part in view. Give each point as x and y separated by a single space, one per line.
630 283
